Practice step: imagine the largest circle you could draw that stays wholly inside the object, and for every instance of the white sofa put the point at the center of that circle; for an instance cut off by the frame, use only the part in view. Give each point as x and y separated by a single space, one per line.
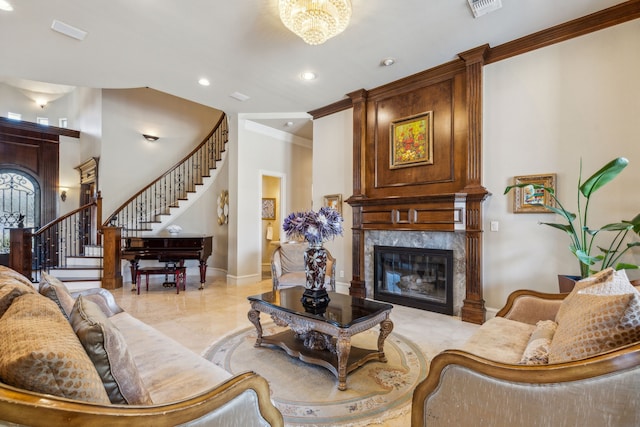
135 375
517 371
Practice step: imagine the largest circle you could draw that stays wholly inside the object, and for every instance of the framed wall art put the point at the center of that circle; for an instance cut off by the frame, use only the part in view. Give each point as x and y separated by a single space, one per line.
269 208
412 141
528 198
334 201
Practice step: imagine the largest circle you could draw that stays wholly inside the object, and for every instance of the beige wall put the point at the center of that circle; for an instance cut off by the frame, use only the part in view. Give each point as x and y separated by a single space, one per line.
258 150
332 174
543 111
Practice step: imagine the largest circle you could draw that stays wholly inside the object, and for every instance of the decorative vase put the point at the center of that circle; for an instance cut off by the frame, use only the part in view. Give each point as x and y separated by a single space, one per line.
315 297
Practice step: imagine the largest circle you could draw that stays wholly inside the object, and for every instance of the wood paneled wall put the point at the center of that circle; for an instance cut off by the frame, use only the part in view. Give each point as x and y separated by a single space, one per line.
34 148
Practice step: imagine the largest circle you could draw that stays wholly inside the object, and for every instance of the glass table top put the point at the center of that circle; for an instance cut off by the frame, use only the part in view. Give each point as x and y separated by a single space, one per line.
342 311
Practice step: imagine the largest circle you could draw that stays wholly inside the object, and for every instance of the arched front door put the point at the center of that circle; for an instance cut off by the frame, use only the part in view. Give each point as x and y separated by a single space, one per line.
19 205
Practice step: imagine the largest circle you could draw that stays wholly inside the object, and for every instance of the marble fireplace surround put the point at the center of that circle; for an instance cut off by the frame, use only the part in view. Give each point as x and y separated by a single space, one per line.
420 239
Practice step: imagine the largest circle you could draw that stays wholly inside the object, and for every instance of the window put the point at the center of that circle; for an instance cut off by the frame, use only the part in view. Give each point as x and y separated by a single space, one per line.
14 116
19 203
43 121
62 122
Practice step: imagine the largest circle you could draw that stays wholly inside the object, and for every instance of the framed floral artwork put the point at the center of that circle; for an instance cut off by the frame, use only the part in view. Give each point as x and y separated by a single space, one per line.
268 208
529 196
412 141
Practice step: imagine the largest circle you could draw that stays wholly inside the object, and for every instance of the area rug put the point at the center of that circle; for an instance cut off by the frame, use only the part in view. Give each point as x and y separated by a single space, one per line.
307 395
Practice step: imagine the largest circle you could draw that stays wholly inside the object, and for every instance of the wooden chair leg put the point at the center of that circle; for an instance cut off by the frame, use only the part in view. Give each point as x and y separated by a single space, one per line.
138 281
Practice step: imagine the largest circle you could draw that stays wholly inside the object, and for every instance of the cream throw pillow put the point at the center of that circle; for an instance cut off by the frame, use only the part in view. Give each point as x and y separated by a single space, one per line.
107 349
537 350
40 352
602 313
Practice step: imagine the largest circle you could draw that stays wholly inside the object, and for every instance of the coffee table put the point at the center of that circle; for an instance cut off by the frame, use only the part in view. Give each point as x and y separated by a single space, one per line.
323 339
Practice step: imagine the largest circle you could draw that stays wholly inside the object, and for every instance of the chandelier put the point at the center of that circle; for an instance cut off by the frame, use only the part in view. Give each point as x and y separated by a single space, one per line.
315 21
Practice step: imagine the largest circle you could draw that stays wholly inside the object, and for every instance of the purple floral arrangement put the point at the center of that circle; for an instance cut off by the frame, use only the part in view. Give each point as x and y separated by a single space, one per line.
314 227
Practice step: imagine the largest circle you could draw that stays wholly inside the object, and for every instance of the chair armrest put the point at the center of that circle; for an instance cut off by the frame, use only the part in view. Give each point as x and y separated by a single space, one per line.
103 298
464 389
530 306
217 406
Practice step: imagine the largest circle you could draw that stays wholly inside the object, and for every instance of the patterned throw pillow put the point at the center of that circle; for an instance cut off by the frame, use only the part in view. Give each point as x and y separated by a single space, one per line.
601 278
56 291
40 352
6 274
601 316
107 348
10 292
537 350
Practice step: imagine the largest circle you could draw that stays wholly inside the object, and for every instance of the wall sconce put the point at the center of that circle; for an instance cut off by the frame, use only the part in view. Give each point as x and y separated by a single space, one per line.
63 194
150 138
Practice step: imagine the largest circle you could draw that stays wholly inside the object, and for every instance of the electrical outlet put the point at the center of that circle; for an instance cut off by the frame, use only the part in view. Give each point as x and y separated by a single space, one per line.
495 226
341 273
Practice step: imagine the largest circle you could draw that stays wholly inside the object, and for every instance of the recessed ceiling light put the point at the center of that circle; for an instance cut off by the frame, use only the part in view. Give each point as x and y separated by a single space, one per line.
308 75
239 96
204 82
68 30
387 62
4 5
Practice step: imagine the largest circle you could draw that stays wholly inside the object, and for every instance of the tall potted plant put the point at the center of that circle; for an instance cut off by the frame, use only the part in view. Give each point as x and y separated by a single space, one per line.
588 245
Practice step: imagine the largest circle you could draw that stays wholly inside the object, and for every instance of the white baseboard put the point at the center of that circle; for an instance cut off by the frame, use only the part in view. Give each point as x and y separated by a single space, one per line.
243 280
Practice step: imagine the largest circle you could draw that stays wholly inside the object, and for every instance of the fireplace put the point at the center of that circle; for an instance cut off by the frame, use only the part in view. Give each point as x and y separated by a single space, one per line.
414 277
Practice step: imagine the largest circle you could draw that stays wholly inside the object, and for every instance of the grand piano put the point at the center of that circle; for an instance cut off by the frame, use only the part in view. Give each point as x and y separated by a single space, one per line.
168 249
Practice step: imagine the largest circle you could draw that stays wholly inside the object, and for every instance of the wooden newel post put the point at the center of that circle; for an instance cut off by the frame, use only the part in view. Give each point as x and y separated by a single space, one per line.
111 275
20 250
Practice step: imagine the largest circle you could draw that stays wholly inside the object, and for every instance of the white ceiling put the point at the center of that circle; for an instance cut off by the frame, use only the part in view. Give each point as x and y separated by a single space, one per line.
241 46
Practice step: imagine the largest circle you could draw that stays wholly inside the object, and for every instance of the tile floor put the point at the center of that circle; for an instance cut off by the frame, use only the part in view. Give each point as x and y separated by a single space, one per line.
196 318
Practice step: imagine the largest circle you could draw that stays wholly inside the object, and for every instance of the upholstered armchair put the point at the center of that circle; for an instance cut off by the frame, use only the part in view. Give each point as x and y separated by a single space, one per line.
287 267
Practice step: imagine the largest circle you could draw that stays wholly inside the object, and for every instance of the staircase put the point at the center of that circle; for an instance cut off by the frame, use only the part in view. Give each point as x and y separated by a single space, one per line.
69 247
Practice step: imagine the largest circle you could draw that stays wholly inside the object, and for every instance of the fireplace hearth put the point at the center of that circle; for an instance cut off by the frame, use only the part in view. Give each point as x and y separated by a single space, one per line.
414 277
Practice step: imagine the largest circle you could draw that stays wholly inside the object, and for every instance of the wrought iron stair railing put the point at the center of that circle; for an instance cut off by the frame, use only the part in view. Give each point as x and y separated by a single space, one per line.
65 238
142 210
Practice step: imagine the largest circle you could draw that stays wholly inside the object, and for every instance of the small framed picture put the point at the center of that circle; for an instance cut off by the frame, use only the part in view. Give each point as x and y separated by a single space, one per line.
268 208
412 141
530 197
333 201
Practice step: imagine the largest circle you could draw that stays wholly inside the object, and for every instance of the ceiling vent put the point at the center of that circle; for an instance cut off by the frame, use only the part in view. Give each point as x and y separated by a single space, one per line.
481 7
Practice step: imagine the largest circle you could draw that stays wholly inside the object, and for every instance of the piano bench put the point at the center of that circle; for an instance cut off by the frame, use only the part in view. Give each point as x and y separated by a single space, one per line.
179 272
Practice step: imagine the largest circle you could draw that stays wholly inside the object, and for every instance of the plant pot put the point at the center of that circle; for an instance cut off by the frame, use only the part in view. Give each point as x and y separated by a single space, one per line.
566 282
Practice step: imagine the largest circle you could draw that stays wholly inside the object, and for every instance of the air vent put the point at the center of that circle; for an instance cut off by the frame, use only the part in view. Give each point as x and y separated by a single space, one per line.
68 30
481 7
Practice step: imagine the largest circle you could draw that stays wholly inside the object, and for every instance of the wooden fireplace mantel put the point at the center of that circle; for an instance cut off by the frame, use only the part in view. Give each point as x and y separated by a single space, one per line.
445 194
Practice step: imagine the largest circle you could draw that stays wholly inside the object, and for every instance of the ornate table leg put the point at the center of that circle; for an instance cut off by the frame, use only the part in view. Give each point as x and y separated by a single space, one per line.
343 347
254 317
386 326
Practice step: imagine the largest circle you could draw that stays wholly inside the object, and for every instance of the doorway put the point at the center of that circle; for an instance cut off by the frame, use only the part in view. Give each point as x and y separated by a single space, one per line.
271 219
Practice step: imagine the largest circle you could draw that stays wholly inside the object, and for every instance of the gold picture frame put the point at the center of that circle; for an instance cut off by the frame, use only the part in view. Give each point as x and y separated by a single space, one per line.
269 208
333 201
411 141
527 199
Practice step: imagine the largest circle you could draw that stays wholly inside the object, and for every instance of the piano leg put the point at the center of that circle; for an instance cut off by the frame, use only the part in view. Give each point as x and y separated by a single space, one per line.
134 271
203 273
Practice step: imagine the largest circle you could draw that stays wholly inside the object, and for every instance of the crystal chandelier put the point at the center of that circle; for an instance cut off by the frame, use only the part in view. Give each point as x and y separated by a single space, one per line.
315 21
